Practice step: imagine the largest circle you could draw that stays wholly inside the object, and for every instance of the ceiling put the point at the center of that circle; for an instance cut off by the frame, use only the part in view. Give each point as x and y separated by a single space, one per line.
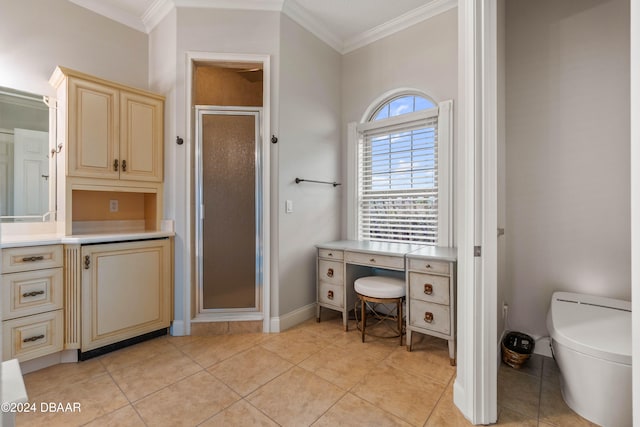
343 24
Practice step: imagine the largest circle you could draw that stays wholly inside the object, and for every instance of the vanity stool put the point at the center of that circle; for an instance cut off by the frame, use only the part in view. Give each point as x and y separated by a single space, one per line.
373 290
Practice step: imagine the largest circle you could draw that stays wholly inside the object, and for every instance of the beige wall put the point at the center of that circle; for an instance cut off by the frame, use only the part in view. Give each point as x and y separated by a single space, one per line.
423 57
308 147
567 145
36 36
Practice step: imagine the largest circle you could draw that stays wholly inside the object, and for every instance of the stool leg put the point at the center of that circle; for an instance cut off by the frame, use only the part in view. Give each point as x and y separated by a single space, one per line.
400 319
364 317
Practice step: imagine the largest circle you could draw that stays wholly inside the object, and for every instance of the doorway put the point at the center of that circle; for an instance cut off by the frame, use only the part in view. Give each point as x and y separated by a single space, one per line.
229 208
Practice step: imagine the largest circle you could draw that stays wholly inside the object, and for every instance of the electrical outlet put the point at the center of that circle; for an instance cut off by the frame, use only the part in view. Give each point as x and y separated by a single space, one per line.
113 206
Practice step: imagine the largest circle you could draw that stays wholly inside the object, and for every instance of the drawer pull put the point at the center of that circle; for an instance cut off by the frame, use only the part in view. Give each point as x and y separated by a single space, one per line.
33 258
372 260
428 317
34 338
330 254
330 272
330 295
428 266
32 294
428 289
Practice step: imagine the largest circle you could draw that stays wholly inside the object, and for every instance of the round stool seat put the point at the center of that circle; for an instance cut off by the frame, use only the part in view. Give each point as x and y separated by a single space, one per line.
380 287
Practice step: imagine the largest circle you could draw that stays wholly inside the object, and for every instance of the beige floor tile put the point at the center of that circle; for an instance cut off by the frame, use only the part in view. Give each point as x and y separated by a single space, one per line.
518 391
379 348
446 414
400 393
295 398
240 414
50 378
144 377
430 362
208 351
341 366
295 345
134 354
353 411
553 409
123 417
507 417
186 403
247 371
97 396
330 326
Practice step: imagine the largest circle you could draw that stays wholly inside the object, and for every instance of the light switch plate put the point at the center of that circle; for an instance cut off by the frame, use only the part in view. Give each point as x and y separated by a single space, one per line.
288 206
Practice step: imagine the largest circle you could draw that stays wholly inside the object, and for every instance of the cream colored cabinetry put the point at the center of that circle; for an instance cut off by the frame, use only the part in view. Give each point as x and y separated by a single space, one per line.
431 300
126 290
32 302
112 131
110 148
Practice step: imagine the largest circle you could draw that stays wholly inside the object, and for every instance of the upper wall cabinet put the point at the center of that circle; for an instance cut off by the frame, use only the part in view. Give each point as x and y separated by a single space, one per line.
112 131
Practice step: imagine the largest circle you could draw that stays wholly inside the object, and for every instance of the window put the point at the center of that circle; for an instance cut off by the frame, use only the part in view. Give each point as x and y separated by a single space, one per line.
399 181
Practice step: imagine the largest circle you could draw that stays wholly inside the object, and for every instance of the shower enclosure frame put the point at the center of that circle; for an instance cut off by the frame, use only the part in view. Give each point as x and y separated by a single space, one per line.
240 313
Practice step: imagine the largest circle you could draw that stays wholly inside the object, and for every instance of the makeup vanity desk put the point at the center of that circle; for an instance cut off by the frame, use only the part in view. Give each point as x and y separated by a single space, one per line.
429 273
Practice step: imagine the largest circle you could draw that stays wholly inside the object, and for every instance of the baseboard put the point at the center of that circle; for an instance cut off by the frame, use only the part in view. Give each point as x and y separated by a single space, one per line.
293 318
177 328
65 356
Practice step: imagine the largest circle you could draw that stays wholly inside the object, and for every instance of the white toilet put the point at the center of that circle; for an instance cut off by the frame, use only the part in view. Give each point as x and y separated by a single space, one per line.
591 342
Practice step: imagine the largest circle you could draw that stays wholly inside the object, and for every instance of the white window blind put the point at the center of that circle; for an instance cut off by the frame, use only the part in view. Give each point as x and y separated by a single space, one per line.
398 179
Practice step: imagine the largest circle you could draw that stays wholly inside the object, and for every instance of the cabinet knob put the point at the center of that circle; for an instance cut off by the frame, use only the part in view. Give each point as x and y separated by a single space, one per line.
330 295
34 338
428 289
32 294
115 165
428 266
428 317
372 260
330 272
87 262
124 166
330 254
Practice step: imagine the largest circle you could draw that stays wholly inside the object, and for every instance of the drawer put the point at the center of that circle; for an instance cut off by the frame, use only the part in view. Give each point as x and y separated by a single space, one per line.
427 315
331 254
330 271
31 292
32 336
384 261
331 294
429 266
31 258
430 288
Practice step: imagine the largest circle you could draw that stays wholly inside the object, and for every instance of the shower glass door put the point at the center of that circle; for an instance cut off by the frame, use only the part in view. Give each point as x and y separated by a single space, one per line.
228 193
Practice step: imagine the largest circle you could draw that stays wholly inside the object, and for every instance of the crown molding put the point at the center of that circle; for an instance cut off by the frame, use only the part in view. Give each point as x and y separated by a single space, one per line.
156 13
115 14
300 15
398 24
273 5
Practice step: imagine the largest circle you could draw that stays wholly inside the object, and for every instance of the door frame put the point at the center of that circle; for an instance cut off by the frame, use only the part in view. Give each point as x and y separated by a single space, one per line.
475 387
192 57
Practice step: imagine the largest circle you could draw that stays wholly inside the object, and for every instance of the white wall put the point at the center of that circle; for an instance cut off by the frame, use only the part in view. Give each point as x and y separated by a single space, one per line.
567 142
36 36
423 57
309 147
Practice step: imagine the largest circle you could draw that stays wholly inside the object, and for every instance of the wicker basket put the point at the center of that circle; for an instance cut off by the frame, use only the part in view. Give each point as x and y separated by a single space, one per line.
516 349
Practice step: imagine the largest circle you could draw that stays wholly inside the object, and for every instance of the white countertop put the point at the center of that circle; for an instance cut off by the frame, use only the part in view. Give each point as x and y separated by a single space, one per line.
13 241
398 249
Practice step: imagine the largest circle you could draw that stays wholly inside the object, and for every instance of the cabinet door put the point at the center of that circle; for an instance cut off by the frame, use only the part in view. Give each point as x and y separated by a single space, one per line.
92 146
126 291
141 141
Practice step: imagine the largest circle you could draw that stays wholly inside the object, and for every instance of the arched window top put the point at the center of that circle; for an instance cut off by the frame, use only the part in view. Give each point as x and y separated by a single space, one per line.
402 104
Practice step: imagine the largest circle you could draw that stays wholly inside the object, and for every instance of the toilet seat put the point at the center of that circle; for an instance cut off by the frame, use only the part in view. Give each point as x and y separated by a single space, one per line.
596 326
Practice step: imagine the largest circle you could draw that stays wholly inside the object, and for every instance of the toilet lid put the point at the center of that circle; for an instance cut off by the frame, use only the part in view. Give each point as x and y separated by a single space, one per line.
597 326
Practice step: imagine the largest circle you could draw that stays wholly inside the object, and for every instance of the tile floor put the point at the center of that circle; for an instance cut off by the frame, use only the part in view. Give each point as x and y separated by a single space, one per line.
314 374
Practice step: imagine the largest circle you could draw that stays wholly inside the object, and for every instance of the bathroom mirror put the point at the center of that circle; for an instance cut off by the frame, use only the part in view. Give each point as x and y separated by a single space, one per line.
27 169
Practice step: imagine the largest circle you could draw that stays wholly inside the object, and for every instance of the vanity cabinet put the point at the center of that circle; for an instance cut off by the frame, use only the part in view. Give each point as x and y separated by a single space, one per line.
431 298
112 131
32 302
126 290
